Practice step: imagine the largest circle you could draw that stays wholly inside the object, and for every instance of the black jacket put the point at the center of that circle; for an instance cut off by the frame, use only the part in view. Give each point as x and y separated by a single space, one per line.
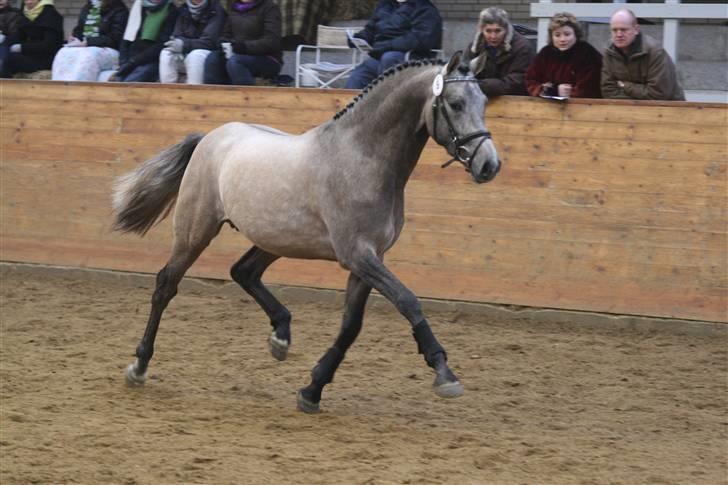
42 37
204 32
140 52
414 25
256 32
111 30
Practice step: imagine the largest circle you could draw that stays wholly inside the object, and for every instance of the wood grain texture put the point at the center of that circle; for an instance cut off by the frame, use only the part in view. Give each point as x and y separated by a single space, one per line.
601 205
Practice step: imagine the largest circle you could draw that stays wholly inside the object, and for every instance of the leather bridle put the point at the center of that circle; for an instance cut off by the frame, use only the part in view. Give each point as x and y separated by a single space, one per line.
456 144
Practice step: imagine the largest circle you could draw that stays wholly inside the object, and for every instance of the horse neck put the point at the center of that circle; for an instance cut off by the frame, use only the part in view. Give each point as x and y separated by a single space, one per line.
387 124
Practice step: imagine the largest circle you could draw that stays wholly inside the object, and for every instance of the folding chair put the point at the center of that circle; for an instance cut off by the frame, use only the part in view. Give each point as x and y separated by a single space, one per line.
331 44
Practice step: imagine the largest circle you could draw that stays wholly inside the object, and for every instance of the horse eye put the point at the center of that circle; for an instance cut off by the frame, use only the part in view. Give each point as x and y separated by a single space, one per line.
456 106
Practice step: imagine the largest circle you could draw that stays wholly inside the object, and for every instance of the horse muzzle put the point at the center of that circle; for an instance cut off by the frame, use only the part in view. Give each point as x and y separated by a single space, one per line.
488 172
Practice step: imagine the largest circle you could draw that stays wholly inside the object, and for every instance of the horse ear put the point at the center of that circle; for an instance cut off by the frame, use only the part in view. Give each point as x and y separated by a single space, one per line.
454 62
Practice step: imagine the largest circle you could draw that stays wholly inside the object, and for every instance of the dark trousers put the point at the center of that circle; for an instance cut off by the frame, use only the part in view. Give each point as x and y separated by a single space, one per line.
240 69
365 72
17 62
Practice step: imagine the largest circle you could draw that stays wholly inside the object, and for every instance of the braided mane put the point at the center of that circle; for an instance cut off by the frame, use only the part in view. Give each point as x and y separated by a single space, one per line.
386 74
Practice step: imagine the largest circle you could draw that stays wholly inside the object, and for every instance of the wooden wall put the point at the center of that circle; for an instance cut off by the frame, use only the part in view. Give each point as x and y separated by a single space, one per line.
606 206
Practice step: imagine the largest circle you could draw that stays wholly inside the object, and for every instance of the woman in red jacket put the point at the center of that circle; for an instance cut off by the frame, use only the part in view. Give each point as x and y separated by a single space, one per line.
567 66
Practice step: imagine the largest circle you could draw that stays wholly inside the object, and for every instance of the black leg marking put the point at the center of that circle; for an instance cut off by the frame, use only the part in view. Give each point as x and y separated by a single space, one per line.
357 293
372 270
247 272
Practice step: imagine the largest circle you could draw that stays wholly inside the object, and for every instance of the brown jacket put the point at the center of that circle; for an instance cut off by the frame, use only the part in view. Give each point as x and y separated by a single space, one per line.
647 72
504 72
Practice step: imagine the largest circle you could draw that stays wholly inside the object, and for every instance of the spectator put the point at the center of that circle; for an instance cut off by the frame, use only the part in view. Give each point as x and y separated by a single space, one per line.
635 66
195 35
11 19
396 27
499 56
150 25
38 39
93 46
251 44
568 66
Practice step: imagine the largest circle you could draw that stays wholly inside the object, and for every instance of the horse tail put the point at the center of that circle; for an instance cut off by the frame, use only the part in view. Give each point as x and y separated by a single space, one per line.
146 195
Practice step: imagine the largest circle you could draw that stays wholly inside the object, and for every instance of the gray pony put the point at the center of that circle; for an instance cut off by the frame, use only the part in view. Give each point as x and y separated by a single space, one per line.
335 193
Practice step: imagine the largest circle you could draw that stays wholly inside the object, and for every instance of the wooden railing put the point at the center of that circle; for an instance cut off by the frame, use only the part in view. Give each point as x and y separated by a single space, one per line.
608 206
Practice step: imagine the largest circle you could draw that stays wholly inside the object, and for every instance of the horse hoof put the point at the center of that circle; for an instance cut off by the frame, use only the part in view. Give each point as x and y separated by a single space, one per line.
307 406
134 379
278 347
449 389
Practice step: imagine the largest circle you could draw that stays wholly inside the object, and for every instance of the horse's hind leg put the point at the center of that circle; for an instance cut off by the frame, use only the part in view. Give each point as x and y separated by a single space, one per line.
186 249
247 273
357 293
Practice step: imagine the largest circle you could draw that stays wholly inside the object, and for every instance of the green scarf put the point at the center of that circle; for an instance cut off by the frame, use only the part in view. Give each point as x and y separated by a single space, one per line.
153 23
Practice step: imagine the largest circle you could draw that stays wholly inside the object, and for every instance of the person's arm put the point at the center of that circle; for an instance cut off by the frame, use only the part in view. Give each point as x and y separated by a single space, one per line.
151 51
661 79
270 42
609 83
208 40
367 33
535 75
77 31
588 72
111 36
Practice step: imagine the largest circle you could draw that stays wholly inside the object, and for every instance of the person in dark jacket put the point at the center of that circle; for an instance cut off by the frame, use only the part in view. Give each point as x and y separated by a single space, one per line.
568 66
195 36
150 25
250 42
38 39
93 46
395 28
11 19
635 66
499 56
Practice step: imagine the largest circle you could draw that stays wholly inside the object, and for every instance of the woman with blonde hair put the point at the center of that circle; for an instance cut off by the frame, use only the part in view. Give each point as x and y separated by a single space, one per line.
37 41
499 56
568 66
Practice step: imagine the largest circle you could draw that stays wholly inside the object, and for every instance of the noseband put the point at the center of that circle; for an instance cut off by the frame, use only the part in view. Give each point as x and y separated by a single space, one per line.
456 144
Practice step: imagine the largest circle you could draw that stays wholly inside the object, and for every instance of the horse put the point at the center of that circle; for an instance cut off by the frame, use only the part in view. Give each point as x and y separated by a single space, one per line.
335 192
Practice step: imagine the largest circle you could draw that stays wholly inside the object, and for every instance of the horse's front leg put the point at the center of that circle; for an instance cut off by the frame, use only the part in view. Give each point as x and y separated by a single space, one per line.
370 268
357 293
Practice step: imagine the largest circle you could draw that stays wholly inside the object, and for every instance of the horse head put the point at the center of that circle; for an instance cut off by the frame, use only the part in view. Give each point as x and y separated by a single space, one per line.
457 120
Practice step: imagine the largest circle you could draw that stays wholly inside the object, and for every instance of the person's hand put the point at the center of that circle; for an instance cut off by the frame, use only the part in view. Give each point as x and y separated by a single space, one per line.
227 49
547 89
74 42
124 70
16 48
620 84
565 90
2 37
175 45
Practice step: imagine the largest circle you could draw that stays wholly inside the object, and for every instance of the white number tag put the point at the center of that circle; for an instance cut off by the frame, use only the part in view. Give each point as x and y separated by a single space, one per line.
437 85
